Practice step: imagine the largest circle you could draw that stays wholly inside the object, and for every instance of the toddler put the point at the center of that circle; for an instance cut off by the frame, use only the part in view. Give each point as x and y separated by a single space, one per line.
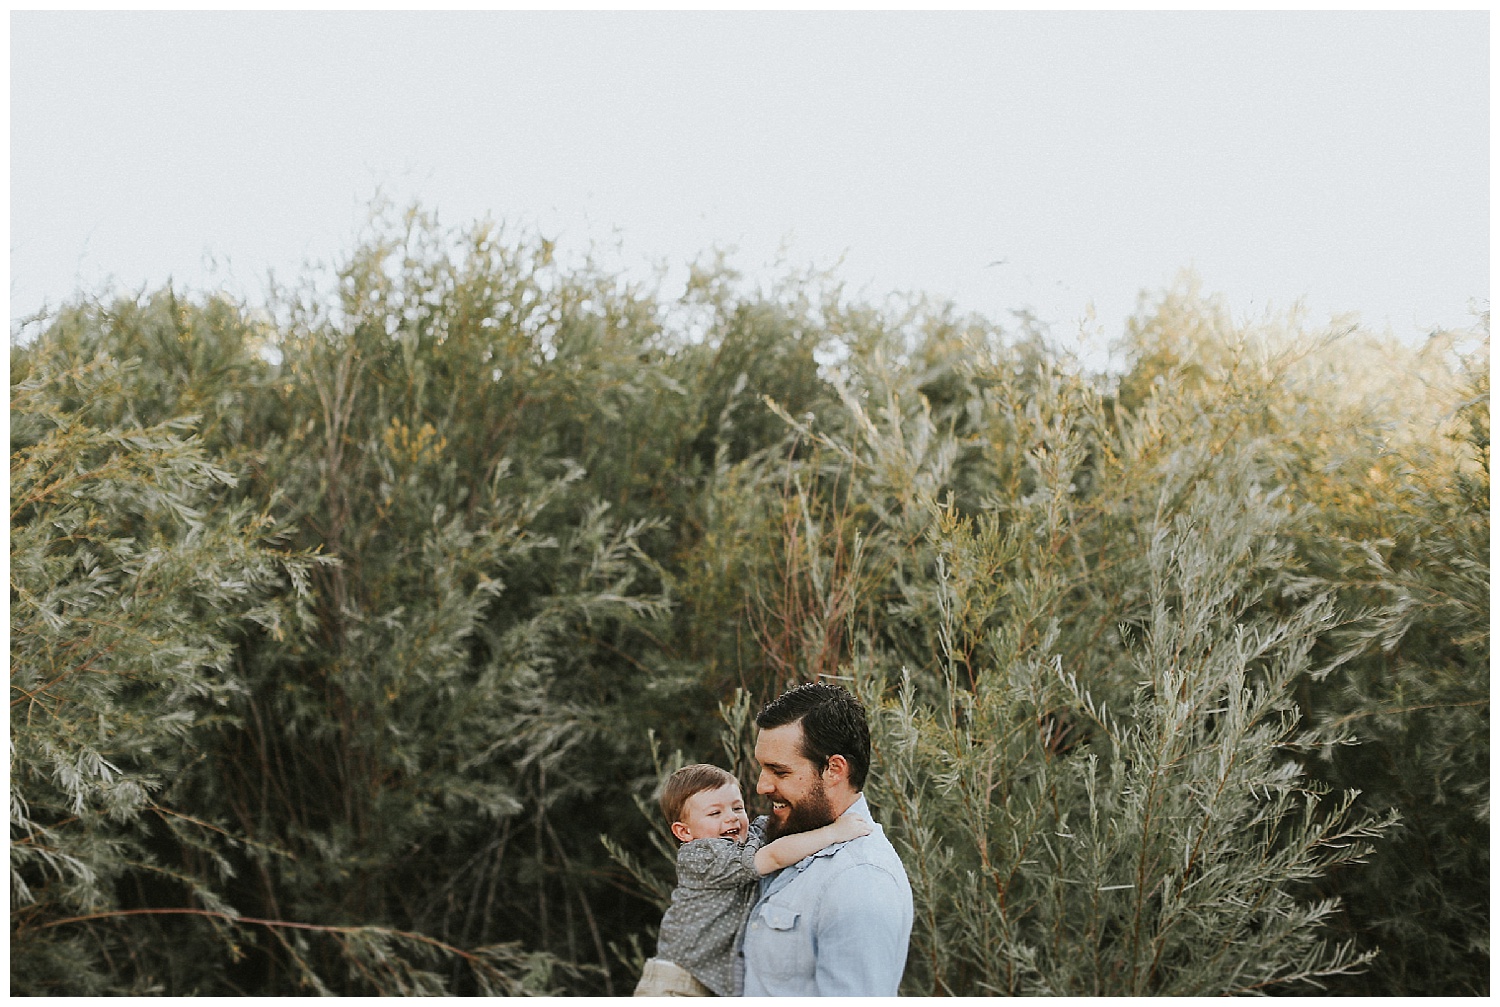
718 866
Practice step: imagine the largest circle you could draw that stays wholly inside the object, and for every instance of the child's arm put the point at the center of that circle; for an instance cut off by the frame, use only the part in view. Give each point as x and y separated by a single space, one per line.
788 850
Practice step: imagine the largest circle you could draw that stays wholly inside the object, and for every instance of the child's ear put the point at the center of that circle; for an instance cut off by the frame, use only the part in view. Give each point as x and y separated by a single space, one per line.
682 832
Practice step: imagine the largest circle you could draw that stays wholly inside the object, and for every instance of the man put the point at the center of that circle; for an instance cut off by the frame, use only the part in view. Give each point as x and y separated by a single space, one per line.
838 922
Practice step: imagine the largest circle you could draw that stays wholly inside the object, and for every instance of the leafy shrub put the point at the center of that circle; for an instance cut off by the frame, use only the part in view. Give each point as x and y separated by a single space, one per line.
342 628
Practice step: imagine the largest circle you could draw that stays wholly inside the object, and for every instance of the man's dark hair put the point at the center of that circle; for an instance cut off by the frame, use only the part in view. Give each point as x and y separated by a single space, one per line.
833 723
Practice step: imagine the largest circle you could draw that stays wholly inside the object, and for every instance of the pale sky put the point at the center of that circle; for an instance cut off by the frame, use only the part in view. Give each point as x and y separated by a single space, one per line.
1005 160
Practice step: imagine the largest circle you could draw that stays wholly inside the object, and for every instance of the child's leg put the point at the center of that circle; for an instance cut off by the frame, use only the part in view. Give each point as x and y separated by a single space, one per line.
668 979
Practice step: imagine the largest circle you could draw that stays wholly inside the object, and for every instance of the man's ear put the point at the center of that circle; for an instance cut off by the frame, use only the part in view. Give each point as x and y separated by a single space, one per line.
838 766
682 832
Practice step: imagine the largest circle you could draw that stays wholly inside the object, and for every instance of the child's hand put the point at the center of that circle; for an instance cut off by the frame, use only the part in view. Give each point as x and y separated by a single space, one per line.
849 826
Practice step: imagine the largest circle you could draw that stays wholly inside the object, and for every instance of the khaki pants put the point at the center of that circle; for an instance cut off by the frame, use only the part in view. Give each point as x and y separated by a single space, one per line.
668 979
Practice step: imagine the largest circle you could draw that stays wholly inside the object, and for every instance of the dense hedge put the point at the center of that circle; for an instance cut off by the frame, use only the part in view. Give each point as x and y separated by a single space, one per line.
342 629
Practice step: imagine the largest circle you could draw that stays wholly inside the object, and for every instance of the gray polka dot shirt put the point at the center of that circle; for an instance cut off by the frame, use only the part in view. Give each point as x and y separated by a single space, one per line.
716 884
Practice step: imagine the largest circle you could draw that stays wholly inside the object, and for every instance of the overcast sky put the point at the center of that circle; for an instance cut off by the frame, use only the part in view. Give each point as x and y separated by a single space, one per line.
1004 160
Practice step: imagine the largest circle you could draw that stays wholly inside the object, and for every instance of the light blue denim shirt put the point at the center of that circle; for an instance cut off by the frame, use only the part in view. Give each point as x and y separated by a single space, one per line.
834 924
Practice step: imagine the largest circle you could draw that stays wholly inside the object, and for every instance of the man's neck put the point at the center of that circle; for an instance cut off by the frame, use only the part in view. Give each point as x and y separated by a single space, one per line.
842 802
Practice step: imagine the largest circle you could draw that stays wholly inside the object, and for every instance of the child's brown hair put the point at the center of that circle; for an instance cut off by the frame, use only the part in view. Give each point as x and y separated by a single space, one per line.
686 782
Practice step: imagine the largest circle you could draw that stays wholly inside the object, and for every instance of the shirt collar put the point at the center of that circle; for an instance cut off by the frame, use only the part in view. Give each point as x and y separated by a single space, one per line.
861 808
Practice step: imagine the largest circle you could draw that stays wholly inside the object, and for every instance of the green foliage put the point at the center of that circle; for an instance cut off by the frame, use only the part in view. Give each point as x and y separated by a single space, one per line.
1169 854
343 629
1416 695
131 580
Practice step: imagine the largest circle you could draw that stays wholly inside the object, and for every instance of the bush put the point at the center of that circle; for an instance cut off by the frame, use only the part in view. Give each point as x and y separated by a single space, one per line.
339 626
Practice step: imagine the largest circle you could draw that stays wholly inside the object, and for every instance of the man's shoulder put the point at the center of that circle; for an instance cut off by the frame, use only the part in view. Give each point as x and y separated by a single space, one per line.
868 857
865 881
874 850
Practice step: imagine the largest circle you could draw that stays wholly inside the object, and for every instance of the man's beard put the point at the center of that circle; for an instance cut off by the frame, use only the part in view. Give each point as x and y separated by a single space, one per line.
812 812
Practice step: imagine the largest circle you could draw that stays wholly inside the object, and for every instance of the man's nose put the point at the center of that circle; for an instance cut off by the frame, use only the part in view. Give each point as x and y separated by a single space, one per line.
763 784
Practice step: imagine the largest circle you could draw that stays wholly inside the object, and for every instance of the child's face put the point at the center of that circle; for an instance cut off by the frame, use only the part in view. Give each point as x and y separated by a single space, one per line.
713 814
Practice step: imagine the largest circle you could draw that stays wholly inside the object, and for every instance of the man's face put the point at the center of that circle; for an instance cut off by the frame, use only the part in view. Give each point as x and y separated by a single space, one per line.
799 801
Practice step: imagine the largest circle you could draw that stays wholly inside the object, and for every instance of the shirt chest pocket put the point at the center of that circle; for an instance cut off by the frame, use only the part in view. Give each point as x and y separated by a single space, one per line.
779 917
780 943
